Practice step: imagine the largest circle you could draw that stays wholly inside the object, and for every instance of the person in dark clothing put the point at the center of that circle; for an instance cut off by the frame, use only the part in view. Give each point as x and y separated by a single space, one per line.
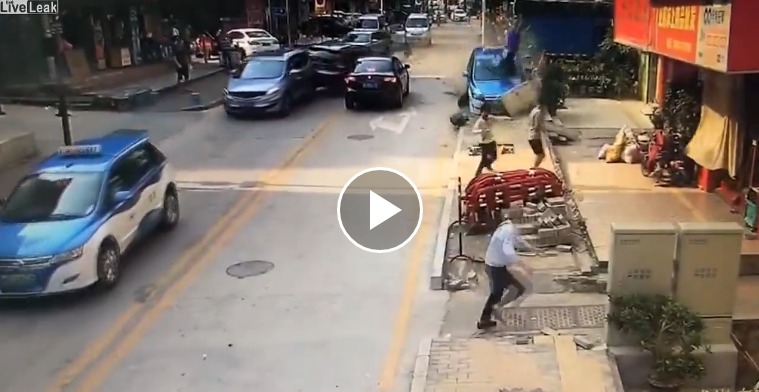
181 57
225 47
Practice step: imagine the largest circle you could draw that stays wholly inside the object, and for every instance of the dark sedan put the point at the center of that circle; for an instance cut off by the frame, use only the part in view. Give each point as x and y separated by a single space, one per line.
377 79
335 59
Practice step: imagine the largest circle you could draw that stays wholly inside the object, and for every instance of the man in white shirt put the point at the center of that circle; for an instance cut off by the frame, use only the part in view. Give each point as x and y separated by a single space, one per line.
488 145
499 257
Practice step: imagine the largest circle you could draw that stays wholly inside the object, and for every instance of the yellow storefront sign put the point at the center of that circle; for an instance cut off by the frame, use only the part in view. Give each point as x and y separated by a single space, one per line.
713 37
683 17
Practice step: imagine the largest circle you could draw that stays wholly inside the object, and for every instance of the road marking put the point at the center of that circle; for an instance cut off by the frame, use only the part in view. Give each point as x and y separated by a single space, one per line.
403 317
172 285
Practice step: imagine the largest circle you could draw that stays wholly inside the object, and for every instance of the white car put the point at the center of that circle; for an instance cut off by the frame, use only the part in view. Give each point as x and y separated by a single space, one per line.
250 41
459 16
418 29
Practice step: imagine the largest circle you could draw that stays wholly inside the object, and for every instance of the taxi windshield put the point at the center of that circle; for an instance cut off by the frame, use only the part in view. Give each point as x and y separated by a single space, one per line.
46 197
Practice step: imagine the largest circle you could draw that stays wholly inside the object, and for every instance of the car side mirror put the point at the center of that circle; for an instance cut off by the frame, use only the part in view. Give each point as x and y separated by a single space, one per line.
292 72
407 66
120 197
465 74
235 74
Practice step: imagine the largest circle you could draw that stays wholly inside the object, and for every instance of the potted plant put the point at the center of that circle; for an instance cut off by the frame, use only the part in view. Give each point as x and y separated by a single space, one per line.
665 328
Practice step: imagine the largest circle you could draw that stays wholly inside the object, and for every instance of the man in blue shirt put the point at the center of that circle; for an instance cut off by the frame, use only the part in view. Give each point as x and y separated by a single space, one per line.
499 257
511 46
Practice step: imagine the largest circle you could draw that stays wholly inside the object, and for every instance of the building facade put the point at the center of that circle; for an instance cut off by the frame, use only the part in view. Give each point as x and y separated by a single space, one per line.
708 45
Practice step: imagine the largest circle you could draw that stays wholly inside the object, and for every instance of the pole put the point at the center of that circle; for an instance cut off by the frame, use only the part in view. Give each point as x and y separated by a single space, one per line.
63 108
382 6
483 23
289 30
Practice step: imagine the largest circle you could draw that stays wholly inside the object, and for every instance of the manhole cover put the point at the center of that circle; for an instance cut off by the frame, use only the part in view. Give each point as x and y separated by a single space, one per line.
565 317
360 137
249 268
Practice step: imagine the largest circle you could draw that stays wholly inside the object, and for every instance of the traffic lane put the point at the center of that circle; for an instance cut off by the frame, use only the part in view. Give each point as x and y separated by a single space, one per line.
88 319
241 151
329 315
39 337
405 139
321 320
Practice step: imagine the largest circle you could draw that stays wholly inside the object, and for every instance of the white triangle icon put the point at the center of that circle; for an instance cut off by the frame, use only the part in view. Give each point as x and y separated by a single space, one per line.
380 210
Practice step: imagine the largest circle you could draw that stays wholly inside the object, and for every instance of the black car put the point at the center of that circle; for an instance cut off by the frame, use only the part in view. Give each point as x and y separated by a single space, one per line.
325 26
374 79
335 59
271 82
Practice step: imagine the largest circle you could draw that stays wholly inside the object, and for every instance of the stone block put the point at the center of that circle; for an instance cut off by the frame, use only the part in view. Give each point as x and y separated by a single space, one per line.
16 148
721 366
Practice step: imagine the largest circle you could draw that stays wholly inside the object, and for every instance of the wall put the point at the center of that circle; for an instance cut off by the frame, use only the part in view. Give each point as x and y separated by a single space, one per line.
744 30
27 65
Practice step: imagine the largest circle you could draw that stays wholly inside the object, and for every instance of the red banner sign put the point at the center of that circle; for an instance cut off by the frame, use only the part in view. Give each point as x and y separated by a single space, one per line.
632 23
676 31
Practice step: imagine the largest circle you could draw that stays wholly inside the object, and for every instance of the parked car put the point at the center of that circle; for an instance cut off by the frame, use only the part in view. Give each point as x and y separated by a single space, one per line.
418 29
371 22
325 26
250 41
67 223
459 15
205 42
271 82
334 60
377 79
487 79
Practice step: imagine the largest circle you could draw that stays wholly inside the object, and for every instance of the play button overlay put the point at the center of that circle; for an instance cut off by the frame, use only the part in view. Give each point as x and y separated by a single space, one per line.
379 210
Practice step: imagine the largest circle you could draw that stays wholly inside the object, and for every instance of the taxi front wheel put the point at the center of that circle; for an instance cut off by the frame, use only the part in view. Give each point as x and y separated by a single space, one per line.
170 210
108 266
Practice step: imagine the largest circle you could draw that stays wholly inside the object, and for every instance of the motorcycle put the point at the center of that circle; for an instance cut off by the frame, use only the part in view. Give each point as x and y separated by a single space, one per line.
663 158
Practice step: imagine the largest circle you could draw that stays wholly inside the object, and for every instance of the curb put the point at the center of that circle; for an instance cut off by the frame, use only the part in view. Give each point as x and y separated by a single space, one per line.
166 89
205 106
421 366
437 275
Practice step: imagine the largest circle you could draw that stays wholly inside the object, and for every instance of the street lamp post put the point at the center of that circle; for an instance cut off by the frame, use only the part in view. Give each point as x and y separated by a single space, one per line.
482 32
53 33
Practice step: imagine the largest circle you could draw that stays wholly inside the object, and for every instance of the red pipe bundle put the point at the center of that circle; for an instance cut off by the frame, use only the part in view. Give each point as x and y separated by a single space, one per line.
487 194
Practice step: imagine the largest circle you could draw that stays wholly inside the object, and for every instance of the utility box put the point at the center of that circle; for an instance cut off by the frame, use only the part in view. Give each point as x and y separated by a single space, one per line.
708 263
641 259
717 330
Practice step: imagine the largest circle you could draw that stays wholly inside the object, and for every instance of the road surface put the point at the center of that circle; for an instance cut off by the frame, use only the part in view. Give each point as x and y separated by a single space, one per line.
327 317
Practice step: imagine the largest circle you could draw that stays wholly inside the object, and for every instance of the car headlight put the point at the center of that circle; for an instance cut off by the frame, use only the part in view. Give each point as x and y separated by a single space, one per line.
273 91
71 255
478 96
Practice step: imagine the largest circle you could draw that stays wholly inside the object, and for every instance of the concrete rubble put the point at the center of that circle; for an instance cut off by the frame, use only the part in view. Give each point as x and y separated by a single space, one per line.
543 224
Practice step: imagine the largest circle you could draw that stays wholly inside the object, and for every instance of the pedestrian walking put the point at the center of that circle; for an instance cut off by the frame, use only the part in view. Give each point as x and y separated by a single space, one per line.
488 145
181 56
501 259
225 48
537 123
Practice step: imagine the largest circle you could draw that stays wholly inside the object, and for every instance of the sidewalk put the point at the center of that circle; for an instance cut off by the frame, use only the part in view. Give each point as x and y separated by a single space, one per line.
126 93
509 364
618 193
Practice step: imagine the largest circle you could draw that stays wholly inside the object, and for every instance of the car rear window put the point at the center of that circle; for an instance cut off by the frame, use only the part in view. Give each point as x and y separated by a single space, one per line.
368 24
256 34
374 66
417 22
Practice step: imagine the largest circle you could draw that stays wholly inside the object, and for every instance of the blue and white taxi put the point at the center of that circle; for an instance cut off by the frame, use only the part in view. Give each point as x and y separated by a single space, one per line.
66 224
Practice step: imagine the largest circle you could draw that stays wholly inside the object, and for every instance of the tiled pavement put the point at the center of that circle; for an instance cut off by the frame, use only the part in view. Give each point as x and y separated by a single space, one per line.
548 364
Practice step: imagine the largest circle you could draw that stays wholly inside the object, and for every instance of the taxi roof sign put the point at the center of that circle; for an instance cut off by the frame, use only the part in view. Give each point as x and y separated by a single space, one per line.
81 150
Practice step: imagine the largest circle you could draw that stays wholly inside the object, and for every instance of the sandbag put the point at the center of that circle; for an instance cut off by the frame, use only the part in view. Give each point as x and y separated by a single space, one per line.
631 154
614 154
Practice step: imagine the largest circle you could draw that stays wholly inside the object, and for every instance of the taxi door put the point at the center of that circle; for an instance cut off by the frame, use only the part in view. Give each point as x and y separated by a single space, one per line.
150 188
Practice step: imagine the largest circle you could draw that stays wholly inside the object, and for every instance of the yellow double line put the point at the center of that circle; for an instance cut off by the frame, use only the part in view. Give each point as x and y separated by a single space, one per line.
91 367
